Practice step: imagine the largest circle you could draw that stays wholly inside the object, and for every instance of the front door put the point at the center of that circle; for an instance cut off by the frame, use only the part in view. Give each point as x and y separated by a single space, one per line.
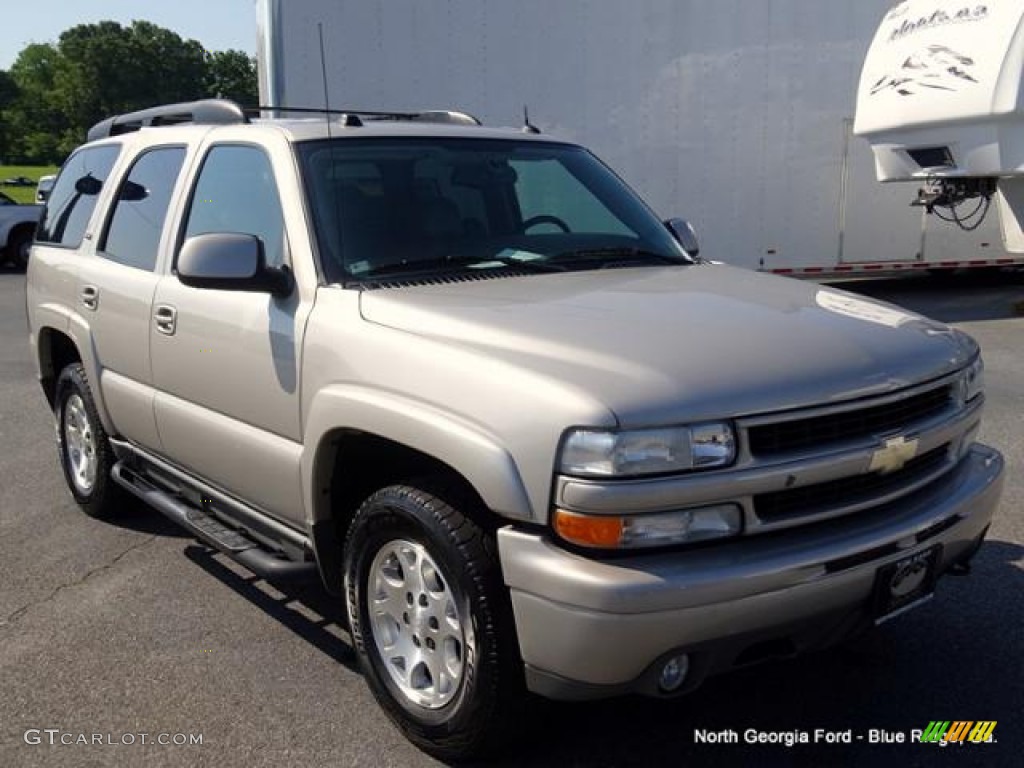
226 363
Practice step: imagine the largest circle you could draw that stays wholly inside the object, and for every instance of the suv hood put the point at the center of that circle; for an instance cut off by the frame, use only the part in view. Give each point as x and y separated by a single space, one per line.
676 344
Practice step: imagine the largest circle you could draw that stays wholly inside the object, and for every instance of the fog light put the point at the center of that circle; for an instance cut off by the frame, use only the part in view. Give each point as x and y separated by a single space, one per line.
673 674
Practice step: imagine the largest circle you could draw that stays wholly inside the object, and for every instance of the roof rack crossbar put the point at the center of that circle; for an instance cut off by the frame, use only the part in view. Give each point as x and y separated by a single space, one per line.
425 116
203 112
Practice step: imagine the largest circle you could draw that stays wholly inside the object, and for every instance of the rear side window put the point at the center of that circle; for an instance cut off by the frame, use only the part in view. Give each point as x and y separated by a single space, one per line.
133 236
236 192
74 196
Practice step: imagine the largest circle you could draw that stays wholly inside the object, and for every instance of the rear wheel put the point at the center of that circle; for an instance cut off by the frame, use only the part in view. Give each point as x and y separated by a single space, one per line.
430 621
85 453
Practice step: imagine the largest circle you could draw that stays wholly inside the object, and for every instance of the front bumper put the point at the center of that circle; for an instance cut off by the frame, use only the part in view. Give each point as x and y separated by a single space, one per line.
592 628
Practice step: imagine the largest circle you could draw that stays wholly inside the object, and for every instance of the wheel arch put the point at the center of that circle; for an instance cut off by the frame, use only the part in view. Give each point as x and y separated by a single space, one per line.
56 350
388 440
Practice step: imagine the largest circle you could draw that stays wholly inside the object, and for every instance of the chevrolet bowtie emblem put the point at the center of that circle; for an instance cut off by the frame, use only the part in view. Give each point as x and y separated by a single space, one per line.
893 456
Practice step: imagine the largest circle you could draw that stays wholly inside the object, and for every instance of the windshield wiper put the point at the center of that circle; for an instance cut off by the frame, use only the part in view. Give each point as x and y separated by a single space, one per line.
481 264
617 257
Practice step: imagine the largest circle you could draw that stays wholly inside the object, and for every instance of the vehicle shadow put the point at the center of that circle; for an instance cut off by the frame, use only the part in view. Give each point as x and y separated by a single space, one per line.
136 515
957 658
307 610
950 298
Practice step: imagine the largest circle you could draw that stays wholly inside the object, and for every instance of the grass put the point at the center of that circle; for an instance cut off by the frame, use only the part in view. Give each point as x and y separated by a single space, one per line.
23 194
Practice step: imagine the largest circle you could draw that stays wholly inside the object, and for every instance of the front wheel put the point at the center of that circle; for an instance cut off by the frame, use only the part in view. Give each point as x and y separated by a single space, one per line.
430 621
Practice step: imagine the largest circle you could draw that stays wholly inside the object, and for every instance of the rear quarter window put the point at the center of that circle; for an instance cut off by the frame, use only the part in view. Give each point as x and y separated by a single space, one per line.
74 195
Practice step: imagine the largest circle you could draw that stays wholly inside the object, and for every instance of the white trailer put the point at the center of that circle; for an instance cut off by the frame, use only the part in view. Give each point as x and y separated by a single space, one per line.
941 102
736 114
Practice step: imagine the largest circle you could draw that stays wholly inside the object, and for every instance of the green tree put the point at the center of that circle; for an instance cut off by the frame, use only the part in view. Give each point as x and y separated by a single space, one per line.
232 75
98 70
8 95
33 120
105 69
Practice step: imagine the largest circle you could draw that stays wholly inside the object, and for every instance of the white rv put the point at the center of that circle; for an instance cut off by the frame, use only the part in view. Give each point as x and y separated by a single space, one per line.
736 114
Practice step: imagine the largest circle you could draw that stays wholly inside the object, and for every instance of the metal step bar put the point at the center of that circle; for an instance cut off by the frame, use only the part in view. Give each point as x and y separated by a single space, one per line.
211 531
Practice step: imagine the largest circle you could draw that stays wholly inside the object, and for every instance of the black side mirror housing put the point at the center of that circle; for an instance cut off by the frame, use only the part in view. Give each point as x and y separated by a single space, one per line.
230 261
683 232
88 186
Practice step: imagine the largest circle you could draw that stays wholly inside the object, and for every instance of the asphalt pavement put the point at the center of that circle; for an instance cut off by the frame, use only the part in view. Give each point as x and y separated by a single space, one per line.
109 631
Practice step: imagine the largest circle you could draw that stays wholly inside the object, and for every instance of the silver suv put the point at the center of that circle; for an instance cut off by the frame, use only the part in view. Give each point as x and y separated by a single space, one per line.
511 419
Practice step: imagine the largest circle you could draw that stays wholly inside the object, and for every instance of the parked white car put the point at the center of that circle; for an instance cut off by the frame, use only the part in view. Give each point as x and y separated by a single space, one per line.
17 228
44 187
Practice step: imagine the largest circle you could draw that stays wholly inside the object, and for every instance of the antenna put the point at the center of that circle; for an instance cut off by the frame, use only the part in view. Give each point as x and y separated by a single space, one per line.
323 76
527 127
330 136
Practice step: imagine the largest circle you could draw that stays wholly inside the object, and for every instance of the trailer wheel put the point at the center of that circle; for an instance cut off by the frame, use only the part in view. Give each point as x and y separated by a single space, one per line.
429 622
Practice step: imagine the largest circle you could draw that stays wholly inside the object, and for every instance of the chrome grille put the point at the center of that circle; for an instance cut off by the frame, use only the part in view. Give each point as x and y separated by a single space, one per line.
783 437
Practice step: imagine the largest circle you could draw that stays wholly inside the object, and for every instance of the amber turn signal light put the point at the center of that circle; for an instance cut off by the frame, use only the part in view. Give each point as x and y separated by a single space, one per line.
589 530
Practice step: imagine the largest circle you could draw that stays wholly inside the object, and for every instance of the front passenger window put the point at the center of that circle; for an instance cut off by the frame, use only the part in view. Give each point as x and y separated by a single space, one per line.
236 192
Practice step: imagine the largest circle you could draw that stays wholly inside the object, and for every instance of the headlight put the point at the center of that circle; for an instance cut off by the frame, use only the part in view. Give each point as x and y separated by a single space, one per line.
603 453
649 530
974 379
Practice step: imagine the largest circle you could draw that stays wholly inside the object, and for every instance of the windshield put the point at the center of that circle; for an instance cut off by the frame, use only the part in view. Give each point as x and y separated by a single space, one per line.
413 207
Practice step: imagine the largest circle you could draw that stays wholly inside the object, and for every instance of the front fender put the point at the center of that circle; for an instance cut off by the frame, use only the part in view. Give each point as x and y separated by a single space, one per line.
464 446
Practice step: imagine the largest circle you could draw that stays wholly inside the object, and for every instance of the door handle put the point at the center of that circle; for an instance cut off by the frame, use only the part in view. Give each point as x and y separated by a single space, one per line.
166 318
89 296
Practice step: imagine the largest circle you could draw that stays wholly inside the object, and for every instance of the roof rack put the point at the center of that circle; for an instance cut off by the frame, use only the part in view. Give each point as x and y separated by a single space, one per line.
225 112
203 112
357 117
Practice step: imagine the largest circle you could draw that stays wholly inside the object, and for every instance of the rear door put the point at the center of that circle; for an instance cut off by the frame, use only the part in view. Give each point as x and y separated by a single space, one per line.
63 235
116 282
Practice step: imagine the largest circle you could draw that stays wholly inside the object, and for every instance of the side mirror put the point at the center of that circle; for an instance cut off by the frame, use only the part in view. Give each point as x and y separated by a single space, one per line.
230 262
132 192
88 185
683 232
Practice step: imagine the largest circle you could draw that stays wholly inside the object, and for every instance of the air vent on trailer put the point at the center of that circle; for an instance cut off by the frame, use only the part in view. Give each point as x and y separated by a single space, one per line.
932 157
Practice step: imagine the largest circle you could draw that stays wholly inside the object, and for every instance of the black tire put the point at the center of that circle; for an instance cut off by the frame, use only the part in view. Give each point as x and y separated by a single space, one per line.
18 248
102 498
484 705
